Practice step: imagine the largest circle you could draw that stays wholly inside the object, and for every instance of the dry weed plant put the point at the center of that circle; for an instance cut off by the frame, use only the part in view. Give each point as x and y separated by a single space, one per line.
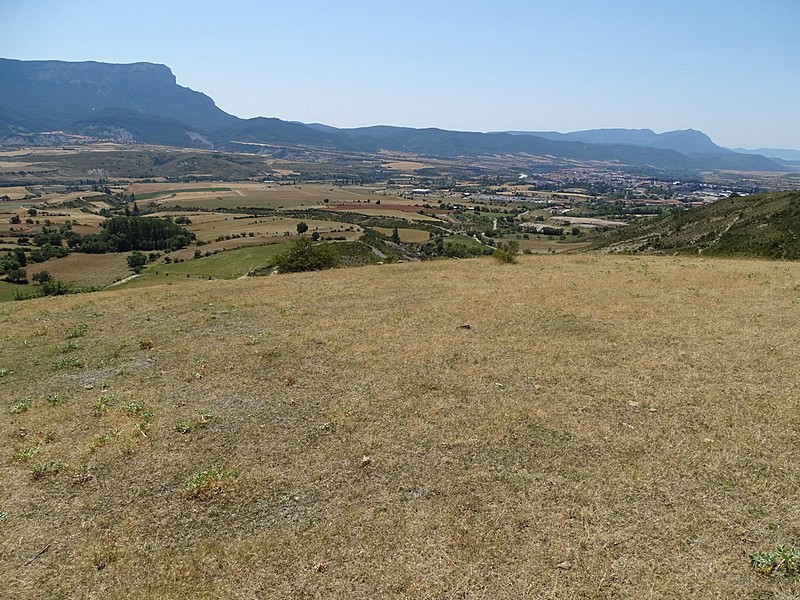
606 427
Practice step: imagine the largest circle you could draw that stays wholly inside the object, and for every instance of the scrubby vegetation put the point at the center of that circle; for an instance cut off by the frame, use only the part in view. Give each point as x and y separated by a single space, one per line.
764 225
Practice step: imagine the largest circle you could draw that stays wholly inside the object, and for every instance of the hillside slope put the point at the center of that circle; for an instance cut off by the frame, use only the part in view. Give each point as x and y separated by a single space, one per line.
764 225
607 427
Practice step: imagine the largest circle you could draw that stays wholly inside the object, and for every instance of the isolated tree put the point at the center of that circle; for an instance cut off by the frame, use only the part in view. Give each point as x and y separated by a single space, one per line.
395 236
136 261
15 220
302 227
32 212
42 276
18 275
315 236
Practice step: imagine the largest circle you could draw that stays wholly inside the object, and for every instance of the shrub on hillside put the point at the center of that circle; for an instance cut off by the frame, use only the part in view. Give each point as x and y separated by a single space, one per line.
506 253
304 255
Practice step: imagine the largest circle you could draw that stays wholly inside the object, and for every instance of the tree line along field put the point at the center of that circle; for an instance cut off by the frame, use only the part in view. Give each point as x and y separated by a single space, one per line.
570 426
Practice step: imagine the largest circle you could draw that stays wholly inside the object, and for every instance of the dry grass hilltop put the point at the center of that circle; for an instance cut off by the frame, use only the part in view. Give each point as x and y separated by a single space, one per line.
605 427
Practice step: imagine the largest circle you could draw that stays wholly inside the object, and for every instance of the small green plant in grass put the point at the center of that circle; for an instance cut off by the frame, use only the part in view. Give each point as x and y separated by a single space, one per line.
54 466
182 426
27 452
208 483
67 362
138 410
106 438
188 425
21 406
5 373
78 331
779 561
56 398
3 516
100 406
70 346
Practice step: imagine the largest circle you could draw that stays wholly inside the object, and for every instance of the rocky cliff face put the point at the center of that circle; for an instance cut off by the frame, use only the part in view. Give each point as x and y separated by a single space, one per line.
53 94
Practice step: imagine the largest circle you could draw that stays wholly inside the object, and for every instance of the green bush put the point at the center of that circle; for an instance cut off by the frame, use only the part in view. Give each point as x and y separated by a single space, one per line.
506 252
136 261
304 255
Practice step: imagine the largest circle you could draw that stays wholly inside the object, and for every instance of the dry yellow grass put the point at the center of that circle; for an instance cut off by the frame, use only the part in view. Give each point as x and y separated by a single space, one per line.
146 188
405 165
209 226
608 427
86 269
14 192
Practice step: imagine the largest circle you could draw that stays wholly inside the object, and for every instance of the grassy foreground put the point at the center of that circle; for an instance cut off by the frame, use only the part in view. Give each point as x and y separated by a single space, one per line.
607 427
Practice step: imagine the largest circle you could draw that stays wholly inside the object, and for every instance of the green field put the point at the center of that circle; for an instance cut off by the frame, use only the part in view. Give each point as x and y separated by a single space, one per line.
8 290
468 241
225 265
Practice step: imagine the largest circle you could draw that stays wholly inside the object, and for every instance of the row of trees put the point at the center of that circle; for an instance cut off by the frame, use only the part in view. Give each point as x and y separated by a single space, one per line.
123 234
119 234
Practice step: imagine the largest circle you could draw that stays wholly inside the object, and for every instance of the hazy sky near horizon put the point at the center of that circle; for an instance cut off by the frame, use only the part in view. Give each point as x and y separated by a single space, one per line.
730 68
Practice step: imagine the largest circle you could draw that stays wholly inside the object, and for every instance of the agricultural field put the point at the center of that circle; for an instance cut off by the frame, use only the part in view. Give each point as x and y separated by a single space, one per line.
209 226
224 265
572 426
251 194
405 165
409 236
13 192
389 211
541 245
374 201
85 269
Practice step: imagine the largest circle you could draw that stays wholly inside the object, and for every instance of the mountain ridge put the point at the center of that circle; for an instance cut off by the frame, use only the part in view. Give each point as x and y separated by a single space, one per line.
142 103
682 140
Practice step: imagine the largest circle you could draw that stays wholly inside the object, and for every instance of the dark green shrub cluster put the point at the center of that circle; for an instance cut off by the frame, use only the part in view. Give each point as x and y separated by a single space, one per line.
305 255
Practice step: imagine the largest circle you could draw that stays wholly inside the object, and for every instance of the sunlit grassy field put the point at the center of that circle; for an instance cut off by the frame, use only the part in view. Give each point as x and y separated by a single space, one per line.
225 265
567 427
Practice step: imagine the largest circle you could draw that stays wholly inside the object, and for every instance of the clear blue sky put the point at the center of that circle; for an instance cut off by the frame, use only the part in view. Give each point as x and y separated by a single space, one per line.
730 68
